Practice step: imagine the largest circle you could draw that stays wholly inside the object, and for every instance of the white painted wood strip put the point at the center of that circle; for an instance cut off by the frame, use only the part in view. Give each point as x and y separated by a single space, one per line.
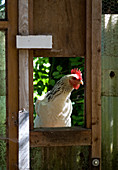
24 140
34 42
24 154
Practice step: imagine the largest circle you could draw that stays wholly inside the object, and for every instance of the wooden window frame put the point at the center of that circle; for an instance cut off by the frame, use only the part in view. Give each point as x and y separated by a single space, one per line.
91 135
62 136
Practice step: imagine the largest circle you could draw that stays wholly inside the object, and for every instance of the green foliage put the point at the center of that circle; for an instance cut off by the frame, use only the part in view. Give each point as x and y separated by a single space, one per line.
2 154
58 73
2 102
2 9
47 71
40 76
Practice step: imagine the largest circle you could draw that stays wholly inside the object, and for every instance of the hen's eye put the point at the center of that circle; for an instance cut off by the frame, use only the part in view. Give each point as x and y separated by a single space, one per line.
74 78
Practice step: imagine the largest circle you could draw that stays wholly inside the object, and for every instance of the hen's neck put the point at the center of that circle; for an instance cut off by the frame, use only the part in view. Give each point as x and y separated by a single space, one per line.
59 91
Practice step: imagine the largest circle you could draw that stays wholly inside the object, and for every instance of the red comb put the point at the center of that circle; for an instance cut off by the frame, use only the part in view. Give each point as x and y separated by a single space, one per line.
77 72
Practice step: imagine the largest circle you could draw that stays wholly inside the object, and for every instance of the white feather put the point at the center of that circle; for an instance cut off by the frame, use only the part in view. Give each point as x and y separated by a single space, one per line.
55 113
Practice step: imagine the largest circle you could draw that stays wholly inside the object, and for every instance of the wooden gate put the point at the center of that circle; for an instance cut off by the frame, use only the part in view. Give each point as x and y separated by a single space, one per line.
75 30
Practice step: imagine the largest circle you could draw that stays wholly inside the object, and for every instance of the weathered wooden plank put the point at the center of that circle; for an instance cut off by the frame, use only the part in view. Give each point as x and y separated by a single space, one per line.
23 58
12 87
109 125
60 158
60 137
34 41
109 91
110 85
24 87
96 79
23 80
109 55
3 24
88 83
109 37
109 62
31 108
23 140
65 21
23 17
30 18
31 55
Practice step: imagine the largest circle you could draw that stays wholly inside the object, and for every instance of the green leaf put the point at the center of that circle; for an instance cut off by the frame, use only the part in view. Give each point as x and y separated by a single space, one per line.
52 82
58 76
81 123
80 101
55 73
59 68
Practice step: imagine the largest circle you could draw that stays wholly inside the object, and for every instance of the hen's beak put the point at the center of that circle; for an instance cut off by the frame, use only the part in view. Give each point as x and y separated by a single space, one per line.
81 82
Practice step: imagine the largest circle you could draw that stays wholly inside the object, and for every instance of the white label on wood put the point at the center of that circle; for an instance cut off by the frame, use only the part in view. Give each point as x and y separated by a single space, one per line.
24 140
34 42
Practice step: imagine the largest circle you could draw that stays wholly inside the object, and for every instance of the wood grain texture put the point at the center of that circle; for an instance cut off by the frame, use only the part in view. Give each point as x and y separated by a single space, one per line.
23 80
110 55
3 24
24 84
109 125
96 79
109 91
110 85
23 58
31 89
65 21
31 55
30 16
12 87
23 17
88 60
60 137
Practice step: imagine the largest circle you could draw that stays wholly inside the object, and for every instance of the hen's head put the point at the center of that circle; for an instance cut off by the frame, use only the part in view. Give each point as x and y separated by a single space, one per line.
75 79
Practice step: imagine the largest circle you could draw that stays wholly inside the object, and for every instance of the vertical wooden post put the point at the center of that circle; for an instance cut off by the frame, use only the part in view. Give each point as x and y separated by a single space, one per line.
96 81
88 99
12 86
31 109
23 57
23 89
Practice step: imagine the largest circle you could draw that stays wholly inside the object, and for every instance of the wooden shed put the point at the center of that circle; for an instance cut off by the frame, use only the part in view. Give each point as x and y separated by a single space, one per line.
53 28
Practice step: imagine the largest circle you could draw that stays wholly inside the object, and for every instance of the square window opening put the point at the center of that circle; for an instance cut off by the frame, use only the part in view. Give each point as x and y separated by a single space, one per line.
47 71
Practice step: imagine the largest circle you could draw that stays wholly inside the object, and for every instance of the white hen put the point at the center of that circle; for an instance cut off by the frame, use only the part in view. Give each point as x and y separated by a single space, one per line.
55 109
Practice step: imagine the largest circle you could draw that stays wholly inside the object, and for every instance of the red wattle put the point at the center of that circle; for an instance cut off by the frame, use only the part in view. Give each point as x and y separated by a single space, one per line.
76 86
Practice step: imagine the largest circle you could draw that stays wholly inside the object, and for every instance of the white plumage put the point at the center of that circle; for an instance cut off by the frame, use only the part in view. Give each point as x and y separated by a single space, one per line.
55 109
